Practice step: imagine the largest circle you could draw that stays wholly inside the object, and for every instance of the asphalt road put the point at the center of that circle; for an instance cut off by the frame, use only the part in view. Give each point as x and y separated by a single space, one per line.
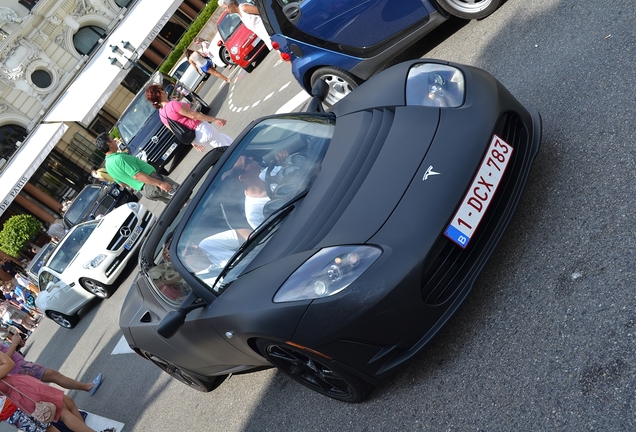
546 340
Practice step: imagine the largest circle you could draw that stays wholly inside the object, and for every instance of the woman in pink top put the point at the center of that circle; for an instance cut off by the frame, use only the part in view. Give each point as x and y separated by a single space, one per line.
181 112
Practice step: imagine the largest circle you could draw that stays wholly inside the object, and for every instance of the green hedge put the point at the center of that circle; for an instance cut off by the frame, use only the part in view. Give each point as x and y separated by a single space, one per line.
188 36
18 231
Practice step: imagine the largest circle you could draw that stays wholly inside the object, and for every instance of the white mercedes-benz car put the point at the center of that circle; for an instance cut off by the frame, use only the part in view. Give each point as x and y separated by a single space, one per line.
88 261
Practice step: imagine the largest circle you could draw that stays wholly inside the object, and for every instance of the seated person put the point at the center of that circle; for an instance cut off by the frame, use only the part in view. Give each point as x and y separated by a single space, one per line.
166 278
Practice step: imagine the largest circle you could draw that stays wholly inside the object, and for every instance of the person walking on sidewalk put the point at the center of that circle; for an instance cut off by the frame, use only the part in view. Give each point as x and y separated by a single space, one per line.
181 112
206 65
127 170
44 374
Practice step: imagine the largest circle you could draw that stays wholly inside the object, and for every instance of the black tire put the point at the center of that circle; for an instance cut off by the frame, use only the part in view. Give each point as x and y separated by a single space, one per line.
63 320
186 377
226 57
315 372
475 9
340 82
96 288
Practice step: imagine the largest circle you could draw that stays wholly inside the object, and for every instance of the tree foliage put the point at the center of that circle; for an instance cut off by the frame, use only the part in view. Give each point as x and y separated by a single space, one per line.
17 232
188 36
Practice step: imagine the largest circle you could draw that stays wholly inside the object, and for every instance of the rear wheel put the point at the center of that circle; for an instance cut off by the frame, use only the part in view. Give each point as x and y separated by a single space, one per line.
185 376
470 9
340 82
315 372
96 288
63 320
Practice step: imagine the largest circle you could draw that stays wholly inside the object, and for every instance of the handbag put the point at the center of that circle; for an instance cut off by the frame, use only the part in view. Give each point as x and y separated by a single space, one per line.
44 411
183 134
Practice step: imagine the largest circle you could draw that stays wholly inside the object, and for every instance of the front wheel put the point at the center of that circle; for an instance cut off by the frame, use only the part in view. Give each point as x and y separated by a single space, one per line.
470 9
340 82
63 320
226 57
185 376
96 288
315 372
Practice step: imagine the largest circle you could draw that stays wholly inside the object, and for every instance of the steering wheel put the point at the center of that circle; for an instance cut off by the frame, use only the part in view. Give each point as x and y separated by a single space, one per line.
279 182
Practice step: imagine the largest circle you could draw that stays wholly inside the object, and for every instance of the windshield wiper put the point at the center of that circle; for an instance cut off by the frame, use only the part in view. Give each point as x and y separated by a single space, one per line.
275 217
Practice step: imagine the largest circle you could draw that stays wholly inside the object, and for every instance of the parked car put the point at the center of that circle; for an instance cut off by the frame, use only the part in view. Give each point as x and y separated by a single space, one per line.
33 268
96 200
141 130
346 42
88 260
245 48
377 220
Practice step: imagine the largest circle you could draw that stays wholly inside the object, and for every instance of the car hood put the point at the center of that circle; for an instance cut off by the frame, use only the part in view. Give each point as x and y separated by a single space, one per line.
241 36
364 175
102 236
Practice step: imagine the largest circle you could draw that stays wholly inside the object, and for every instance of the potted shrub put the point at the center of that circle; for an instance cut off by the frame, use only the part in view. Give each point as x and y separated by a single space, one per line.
17 232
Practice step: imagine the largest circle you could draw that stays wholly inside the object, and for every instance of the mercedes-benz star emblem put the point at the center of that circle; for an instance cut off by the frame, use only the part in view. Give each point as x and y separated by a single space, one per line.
125 231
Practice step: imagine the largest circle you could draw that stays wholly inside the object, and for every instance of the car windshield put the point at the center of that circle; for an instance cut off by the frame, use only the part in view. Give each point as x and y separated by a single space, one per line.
228 25
135 118
70 246
276 162
82 204
40 258
162 274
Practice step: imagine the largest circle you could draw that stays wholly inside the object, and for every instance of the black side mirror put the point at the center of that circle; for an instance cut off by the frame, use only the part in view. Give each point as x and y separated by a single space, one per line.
172 322
319 93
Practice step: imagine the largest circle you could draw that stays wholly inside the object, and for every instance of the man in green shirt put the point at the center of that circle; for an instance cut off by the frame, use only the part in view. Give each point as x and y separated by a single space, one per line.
127 170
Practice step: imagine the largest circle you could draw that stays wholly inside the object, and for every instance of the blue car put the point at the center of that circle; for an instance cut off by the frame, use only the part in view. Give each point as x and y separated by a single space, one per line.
344 42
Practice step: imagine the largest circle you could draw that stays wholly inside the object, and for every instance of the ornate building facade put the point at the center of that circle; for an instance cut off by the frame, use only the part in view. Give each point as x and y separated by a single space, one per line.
49 50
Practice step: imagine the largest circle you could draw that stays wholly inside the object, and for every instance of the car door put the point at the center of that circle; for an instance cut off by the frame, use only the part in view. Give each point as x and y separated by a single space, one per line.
60 296
355 23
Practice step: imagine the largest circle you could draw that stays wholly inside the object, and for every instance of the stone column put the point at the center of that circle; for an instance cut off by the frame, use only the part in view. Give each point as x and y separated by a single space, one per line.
34 209
43 197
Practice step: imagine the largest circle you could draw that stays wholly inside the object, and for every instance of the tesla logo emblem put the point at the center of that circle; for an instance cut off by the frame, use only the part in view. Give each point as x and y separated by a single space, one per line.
429 172
154 140
125 231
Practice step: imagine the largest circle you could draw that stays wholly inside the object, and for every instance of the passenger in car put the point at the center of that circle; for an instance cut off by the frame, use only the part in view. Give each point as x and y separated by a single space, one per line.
166 278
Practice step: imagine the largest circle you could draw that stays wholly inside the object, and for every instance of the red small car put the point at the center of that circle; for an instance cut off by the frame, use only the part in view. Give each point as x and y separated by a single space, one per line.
245 48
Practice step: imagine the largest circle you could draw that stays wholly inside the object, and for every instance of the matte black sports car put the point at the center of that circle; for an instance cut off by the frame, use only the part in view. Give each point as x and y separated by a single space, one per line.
334 246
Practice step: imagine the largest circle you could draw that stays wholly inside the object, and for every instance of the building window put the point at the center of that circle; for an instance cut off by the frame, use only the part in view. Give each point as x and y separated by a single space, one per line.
9 136
123 3
29 4
86 40
41 78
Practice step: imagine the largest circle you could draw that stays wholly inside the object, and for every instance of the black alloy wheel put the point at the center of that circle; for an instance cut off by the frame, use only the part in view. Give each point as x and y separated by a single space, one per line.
315 372
184 376
63 320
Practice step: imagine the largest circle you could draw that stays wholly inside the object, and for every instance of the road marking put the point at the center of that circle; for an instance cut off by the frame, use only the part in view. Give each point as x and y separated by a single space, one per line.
285 86
294 102
99 423
122 347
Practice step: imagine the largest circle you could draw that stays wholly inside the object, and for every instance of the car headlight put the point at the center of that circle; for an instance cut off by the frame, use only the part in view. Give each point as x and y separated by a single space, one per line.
133 206
328 272
95 262
234 50
435 85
